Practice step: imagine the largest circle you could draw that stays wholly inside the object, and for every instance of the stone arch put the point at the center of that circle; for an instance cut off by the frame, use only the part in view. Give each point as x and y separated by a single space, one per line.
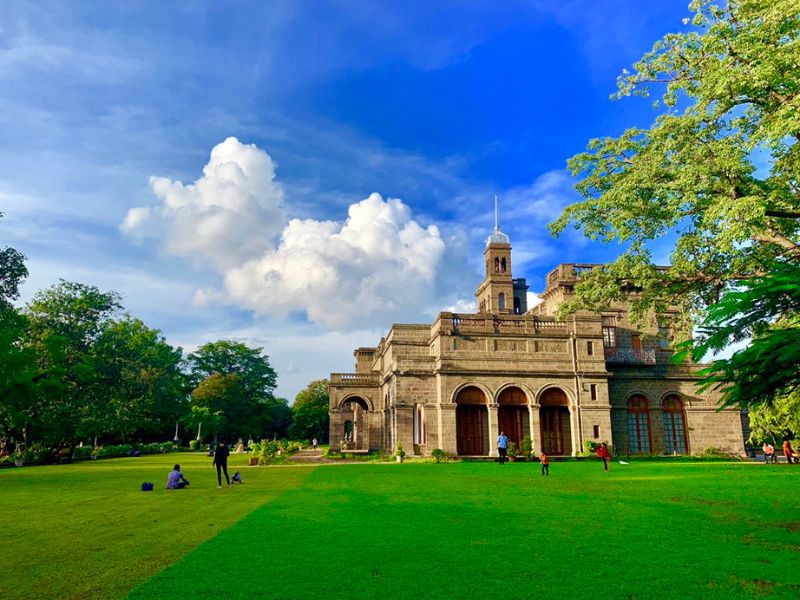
672 394
555 419
363 401
513 413
472 418
548 397
486 393
529 395
550 386
637 392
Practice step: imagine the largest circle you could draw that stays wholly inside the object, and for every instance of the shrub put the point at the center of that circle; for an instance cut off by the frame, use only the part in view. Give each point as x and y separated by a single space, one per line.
111 451
195 445
400 452
82 452
527 446
512 449
439 455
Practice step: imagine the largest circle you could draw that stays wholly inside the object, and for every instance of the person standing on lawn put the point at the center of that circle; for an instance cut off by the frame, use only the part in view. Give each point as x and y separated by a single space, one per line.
603 453
545 464
221 462
787 451
502 446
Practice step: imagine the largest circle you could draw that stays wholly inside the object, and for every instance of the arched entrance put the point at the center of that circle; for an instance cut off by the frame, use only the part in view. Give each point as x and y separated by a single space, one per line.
512 414
355 432
555 423
471 422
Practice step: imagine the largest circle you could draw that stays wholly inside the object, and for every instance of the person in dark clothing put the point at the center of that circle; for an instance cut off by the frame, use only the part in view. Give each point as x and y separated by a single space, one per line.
221 462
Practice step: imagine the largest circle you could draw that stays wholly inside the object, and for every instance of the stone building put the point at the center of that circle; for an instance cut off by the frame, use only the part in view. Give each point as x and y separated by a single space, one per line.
456 383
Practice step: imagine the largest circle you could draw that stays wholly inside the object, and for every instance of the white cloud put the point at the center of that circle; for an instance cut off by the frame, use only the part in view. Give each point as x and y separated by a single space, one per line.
229 215
378 265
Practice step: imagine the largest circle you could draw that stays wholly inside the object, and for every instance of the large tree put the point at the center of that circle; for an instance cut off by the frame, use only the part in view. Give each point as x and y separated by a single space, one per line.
236 380
310 417
64 323
145 388
718 171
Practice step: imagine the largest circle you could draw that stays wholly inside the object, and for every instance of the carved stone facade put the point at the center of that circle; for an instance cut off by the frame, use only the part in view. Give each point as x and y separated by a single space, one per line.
455 384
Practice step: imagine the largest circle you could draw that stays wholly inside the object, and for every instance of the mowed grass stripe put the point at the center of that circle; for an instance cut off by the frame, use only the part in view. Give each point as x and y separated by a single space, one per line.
649 530
87 531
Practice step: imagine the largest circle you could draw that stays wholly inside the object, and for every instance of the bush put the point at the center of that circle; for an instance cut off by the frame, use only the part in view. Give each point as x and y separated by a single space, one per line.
111 451
195 445
400 452
82 452
512 449
527 446
439 455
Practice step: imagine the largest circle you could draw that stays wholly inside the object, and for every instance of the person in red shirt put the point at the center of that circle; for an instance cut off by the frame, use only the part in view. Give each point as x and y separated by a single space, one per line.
545 464
603 453
787 451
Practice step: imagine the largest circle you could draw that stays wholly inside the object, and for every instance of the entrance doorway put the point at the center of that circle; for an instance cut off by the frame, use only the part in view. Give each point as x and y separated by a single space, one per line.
471 422
555 423
512 415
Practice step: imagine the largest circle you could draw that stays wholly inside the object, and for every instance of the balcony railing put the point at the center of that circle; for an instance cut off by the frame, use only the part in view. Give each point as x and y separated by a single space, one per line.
354 379
631 356
522 324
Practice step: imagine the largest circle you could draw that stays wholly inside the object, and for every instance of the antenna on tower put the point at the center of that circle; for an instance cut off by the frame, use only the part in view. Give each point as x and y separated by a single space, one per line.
496 218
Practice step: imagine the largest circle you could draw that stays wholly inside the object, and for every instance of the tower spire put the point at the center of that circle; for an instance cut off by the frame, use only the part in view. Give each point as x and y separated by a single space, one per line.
496 215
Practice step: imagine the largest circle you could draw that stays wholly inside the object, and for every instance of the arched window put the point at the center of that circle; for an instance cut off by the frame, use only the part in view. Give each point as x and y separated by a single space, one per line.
503 265
501 301
496 265
674 426
638 425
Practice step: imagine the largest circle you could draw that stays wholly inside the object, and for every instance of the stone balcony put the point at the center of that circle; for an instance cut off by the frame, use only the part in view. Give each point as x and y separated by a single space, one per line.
631 356
355 379
484 323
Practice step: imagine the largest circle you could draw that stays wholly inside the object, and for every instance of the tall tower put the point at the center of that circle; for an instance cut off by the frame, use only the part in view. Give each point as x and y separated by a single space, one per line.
495 294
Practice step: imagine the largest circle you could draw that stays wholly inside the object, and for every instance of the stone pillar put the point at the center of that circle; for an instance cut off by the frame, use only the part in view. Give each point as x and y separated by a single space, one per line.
335 429
447 428
404 419
536 428
375 424
573 425
493 431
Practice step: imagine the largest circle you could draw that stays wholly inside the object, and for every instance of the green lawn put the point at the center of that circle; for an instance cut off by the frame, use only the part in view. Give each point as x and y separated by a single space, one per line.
464 530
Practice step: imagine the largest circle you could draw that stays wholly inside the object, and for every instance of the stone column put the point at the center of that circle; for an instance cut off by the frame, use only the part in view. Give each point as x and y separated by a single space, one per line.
447 428
335 429
536 429
493 431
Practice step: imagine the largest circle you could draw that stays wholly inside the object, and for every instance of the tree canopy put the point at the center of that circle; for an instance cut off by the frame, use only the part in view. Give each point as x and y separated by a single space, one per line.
718 170
238 382
310 417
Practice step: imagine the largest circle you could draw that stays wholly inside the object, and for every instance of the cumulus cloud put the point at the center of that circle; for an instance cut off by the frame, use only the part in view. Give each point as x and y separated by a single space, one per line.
377 265
226 217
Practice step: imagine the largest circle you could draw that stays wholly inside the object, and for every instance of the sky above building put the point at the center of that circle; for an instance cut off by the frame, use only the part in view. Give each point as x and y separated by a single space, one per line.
301 175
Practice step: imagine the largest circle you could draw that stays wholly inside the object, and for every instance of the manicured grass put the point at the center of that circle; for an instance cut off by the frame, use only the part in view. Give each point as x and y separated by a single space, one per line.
86 531
466 530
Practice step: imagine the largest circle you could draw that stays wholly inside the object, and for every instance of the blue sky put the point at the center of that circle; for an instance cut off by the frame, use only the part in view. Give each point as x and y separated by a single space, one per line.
109 107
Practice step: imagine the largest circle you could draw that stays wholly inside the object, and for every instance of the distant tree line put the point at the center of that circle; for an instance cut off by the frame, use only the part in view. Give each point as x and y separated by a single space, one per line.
75 368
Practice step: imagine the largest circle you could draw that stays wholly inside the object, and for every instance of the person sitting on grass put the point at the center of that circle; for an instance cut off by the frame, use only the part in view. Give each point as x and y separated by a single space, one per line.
237 478
176 480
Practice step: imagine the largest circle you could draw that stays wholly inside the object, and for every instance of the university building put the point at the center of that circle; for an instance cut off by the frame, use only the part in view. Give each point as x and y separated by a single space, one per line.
456 383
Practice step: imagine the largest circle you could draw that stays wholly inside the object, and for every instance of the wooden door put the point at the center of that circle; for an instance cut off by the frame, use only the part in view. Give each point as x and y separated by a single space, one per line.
552 431
510 420
470 430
